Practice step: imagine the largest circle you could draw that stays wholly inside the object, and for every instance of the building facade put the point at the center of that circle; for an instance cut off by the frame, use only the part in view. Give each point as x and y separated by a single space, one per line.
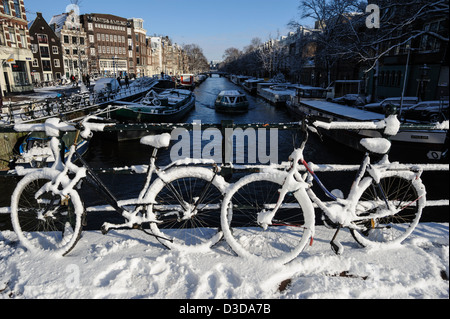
138 55
47 64
15 49
107 44
73 40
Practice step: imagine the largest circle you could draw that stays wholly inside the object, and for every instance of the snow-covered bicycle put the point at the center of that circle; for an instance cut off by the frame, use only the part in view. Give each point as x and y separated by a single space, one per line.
179 204
271 215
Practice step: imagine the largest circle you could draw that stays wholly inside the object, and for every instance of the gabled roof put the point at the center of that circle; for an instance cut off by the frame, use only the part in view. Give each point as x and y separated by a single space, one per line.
59 20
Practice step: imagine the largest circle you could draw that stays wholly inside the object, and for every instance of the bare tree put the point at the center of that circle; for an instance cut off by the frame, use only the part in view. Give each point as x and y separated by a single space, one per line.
197 61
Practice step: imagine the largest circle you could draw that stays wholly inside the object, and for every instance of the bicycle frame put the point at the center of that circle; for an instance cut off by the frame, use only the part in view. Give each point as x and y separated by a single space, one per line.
347 213
140 214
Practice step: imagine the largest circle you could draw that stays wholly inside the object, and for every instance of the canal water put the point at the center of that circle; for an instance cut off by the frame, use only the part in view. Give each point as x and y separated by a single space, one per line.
108 153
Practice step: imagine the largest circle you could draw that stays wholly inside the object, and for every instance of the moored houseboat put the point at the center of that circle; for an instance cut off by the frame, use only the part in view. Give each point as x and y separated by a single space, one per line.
410 142
231 101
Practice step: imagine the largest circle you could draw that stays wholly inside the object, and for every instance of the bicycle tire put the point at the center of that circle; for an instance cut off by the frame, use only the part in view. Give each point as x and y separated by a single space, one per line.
58 232
25 115
38 112
403 191
291 228
200 228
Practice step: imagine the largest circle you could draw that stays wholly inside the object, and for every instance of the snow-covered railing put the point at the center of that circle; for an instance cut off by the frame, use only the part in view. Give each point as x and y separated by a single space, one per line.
165 127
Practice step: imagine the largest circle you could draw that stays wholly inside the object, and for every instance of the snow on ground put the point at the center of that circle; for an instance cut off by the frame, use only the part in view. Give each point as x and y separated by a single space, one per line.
130 264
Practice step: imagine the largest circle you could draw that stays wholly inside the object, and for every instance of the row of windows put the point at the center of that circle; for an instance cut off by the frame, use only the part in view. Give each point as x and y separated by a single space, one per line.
7 8
75 40
46 64
390 78
109 50
109 38
106 26
13 36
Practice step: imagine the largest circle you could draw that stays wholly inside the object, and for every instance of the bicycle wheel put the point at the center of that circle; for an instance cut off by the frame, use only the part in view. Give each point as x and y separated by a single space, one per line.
292 225
187 206
25 115
38 112
405 195
41 220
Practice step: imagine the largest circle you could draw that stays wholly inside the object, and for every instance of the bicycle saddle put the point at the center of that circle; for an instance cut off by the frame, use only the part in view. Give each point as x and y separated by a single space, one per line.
376 145
157 141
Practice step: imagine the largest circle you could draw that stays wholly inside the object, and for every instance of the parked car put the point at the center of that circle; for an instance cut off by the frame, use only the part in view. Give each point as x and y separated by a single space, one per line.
350 100
380 107
427 111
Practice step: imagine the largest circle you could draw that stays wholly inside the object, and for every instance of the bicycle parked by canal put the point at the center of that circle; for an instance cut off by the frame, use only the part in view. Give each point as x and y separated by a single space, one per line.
270 215
179 208
267 215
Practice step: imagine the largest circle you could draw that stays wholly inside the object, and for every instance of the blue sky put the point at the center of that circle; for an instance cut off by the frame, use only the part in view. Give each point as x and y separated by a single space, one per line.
212 24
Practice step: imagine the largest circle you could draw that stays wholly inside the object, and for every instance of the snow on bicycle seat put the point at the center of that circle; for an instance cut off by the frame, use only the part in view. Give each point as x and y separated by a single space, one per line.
157 141
376 145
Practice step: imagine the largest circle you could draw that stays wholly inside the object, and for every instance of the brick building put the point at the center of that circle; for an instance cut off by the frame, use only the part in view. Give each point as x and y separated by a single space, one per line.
15 50
107 43
47 64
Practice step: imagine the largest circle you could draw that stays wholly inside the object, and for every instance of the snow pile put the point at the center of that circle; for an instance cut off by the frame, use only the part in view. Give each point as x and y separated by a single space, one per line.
130 264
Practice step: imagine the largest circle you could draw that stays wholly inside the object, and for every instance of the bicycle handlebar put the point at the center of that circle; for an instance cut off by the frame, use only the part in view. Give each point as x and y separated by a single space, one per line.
54 126
390 125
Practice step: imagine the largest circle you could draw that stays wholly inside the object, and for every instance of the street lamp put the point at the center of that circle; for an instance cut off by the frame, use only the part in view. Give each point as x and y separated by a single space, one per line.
406 77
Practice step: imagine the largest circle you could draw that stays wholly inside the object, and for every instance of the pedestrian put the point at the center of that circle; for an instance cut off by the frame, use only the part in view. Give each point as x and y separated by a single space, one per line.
127 81
118 80
88 81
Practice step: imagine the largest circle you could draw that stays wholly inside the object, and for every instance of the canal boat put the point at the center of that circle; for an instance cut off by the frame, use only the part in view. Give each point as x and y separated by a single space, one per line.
35 151
251 85
231 101
169 106
187 81
410 142
277 94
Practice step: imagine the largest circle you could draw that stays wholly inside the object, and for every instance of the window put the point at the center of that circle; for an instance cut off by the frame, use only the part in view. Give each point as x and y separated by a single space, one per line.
55 49
6 7
82 40
12 37
20 74
90 26
66 39
46 65
56 63
91 38
35 63
74 40
23 38
42 38
17 9
34 48
44 52
429 42
93 51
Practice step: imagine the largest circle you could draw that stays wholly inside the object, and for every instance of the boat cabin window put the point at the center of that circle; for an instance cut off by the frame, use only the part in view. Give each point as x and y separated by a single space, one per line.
311 93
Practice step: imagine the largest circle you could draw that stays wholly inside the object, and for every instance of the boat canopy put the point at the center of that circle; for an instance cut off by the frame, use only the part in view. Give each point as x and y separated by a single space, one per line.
106 84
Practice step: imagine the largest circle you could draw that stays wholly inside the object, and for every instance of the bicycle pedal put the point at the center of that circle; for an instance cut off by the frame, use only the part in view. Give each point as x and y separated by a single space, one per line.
337 247
104 230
